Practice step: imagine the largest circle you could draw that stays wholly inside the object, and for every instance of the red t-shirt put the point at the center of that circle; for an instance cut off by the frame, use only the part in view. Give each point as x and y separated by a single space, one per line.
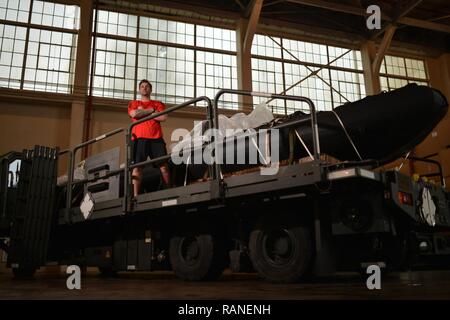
150 129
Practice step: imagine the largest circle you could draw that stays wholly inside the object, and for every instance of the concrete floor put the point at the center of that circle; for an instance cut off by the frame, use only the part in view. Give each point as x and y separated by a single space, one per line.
164 285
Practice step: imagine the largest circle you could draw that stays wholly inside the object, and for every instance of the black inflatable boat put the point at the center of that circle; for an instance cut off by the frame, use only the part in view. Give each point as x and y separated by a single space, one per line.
380 128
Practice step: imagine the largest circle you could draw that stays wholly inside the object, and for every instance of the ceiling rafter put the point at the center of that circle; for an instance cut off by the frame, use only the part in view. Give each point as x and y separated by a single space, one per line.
344 8
239 3
254 11
400 13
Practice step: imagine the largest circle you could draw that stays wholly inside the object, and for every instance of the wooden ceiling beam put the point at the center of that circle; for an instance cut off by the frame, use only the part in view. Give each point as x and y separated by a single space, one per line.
239 3
255 11
399 15
383 48
339 7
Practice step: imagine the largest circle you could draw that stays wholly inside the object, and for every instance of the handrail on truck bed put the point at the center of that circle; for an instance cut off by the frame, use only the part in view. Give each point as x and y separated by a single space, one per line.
212 118
127 177
312 109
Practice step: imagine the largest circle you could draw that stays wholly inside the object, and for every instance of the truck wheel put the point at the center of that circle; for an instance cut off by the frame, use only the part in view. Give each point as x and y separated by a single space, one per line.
281 253
23 273
197 257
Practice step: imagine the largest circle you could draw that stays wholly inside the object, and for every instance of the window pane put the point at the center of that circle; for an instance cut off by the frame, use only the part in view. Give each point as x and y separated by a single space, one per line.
213 75
50 63
216 38
14 10
168 71
164 30
266 46
55 15
114 68
266 79
12 52
114 23
399 71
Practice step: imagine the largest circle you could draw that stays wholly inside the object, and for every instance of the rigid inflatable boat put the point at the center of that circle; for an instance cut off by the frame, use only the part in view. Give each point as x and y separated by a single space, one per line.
380 128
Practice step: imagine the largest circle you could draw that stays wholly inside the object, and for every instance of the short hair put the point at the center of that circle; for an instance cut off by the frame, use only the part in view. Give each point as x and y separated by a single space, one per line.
145 81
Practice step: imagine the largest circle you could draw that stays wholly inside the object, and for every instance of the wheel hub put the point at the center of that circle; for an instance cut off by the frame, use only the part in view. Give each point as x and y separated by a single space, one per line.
277 246
190 250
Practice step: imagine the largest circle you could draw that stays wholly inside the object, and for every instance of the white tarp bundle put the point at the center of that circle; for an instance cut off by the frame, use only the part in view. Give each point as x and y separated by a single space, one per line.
234 125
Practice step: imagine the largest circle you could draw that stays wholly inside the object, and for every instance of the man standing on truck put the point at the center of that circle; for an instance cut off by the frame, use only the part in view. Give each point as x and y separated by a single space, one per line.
147 136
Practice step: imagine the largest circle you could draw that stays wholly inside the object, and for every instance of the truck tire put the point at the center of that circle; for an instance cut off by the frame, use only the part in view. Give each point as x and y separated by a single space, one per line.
197 257
281 253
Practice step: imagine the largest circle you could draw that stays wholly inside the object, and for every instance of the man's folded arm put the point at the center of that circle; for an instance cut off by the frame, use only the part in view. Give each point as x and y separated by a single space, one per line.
141 113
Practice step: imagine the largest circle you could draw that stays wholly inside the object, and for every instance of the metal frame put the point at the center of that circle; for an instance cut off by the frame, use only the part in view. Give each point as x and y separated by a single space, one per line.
211 113
312 109
32 222
127 177
210 190
436 163
5 161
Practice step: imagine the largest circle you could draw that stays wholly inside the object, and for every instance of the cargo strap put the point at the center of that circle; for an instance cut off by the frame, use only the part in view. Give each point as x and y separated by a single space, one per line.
403 162
304 144
346 133
187 168
259 151
291 147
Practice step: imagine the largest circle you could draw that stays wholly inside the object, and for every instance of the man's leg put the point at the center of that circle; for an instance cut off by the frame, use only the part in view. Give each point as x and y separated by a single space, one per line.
159 150
165 174
137 179
139 154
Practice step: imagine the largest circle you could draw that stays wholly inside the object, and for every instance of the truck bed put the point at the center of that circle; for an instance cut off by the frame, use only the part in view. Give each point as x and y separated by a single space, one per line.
290 181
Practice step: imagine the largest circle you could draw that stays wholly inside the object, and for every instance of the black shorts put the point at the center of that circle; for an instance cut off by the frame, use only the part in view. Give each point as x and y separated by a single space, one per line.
152 148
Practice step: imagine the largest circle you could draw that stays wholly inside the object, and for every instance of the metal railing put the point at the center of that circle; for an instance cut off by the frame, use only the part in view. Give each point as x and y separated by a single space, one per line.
129 166
312 118
211 114
213 122
434 174
72 154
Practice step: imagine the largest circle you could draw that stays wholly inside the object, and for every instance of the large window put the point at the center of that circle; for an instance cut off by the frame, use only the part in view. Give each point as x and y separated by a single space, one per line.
114 68
15 10
55 15
171 71
12 50
166 31
216 38
397 72
35 58
267 76
181 60
50 61
312 87
329 76
216 71
119 24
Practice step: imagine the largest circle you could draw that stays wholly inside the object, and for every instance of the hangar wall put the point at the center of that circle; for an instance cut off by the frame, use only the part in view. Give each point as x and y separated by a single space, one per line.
26 122
437 144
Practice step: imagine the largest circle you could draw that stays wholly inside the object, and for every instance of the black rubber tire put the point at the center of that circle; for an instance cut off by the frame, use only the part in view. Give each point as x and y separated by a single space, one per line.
281 252
198 257
26 273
